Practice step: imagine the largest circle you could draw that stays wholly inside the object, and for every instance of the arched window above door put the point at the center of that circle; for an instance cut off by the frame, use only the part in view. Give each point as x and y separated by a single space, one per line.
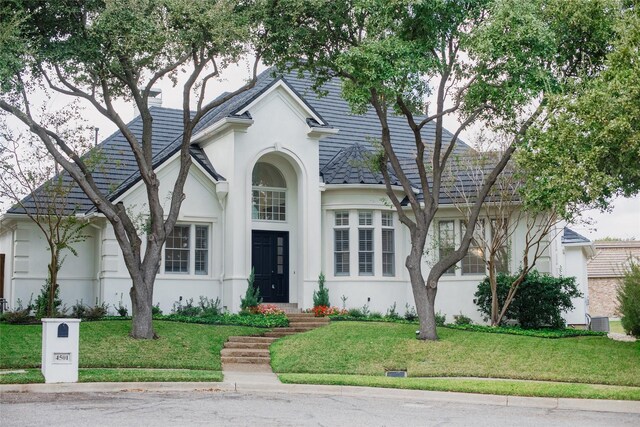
269 193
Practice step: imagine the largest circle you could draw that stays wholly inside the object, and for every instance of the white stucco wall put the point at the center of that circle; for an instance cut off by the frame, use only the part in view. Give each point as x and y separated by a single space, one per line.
27 259
200 207
278 135
575 265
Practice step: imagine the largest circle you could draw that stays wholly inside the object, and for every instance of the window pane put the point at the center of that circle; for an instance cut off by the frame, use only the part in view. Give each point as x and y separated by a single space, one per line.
446 241
202 250
341 251
388 253
269 205
365 251
473 262
342 219
267 175
387 219
365 218
176 252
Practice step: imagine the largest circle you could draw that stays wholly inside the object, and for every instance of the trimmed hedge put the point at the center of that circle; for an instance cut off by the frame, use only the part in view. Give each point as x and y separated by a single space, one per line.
256 320
539 333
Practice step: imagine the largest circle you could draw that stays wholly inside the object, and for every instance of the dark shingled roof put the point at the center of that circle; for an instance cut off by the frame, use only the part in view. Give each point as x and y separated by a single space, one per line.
339 153
350 166
569 236
116 169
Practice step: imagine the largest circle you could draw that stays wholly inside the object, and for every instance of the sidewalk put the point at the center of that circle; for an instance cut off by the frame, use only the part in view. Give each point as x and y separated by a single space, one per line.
243 380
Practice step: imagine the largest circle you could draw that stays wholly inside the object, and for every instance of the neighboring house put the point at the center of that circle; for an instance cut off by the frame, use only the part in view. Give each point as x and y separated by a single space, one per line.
279 182
605 270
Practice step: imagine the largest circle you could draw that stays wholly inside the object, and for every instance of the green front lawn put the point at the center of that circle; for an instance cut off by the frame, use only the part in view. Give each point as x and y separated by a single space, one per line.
106 344
471 385
359 348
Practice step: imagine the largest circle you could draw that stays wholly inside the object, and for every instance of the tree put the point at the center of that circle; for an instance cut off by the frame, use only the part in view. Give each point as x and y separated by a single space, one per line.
503 218
494 63
100 52
588 151
27 170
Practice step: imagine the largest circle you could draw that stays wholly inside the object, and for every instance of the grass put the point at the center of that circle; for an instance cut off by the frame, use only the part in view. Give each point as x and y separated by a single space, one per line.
90 375
503 387
181 350
371 348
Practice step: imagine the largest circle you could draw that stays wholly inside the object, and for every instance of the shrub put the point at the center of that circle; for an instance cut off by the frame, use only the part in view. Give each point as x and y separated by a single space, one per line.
246 319
356 313
155 310
188 309
209 307
41 306
122 309
410 313
19 314
321 296
375 315
461 319
440 319
96 312
252 295
392 313
78 310
629 299
539 301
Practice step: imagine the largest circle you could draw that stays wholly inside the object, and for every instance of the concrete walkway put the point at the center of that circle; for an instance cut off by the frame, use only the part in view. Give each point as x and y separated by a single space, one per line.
242 375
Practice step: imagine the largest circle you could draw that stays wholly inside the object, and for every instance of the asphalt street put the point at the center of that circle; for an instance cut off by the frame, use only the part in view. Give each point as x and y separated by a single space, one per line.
143 408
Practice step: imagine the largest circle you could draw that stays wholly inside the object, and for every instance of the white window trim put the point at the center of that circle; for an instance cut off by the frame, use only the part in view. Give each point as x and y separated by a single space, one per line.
333 245
192 252
354 228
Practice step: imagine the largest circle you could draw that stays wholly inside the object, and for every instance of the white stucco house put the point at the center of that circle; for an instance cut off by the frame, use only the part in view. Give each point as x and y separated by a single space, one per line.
275 184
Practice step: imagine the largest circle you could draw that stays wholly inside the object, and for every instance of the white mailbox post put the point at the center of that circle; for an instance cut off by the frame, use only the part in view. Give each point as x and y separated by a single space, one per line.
60 345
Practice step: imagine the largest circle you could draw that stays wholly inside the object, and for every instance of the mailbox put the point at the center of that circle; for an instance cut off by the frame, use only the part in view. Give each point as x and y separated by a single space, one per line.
60 345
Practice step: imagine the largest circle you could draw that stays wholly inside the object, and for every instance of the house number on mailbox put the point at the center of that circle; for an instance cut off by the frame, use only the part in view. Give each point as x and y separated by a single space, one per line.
62 358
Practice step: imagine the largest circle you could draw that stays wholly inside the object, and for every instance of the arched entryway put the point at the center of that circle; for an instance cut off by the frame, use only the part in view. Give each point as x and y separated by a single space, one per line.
274 220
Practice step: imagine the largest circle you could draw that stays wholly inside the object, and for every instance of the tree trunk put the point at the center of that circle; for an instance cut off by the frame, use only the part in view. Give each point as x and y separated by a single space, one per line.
141 302
427 315
494 294
53 279
423 295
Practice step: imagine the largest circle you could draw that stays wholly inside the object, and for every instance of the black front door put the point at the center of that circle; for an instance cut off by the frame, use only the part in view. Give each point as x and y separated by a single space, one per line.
270 260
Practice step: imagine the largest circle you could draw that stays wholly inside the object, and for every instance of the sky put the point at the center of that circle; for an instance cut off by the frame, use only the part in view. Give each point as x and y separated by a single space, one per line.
622 221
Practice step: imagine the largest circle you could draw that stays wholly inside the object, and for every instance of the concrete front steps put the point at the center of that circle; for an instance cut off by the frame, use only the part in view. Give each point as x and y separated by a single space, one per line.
247 349
255 349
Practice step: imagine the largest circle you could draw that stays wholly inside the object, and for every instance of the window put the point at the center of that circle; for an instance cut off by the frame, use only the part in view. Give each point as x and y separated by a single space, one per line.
180 256
388 245
446 242
269 196
176 252
499 230
473 262
365 243
341 244
202 249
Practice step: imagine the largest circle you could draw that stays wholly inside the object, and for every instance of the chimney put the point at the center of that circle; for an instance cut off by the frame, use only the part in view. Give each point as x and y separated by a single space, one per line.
154 100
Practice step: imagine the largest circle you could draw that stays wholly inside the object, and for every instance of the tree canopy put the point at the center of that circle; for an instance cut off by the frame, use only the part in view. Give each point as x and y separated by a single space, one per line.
102 51
500 64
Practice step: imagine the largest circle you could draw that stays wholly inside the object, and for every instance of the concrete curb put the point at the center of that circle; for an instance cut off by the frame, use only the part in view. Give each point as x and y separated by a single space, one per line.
620 406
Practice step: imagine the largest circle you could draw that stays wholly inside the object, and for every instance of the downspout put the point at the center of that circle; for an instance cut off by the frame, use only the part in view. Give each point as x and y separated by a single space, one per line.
222 189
